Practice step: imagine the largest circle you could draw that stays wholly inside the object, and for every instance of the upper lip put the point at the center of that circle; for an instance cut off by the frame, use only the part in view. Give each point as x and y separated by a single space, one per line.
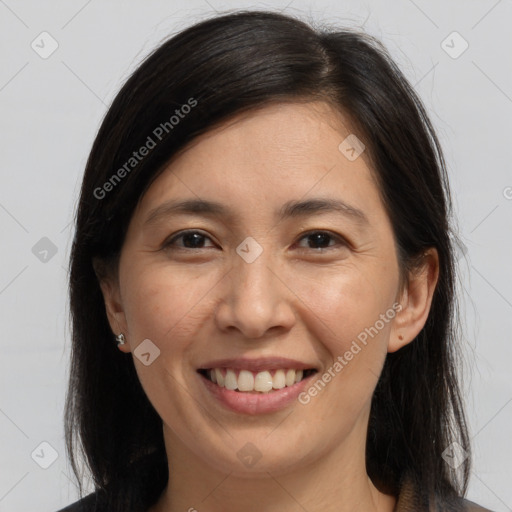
260 364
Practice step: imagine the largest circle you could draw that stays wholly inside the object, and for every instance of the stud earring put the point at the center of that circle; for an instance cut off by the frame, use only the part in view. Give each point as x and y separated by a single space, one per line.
400 337
120 339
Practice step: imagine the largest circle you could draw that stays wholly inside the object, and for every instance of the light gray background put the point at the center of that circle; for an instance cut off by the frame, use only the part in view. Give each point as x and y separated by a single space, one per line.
51 109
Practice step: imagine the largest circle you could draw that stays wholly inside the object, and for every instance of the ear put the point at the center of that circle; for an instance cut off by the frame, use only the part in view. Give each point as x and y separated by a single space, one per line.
109 285
416 299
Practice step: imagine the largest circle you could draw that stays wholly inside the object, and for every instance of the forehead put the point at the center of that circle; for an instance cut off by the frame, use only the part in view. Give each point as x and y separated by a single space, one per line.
269 155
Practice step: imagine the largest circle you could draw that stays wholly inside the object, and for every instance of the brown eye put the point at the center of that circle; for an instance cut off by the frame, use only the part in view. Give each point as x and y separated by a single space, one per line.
190 240
321 239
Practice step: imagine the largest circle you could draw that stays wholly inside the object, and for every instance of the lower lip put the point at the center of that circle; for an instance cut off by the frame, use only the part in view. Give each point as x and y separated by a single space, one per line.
256 403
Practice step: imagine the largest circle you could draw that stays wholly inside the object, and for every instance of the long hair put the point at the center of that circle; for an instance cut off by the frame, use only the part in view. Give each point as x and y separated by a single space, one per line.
220 67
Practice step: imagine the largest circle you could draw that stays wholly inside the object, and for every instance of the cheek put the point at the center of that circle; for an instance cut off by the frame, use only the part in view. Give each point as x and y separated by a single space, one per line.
347 301
164 303
351 312
168 307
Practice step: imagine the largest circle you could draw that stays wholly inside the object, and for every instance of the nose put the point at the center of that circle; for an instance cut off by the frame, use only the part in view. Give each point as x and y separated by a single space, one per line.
256 299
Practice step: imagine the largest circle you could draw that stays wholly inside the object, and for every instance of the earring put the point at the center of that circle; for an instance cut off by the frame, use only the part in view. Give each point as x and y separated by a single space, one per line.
400 337
120 339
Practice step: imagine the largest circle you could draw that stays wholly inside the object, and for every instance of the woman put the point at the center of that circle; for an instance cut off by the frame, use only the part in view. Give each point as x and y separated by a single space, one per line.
264 229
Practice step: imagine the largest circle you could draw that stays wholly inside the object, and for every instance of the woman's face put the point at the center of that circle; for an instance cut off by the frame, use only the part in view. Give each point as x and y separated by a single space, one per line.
264 281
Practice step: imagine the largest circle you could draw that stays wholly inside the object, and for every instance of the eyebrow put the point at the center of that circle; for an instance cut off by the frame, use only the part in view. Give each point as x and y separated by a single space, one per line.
291 209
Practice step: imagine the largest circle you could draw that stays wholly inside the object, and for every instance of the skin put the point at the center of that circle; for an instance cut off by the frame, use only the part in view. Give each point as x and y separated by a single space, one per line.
202 302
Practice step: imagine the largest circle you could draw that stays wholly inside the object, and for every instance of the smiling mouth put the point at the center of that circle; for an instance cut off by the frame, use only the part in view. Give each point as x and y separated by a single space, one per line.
245 381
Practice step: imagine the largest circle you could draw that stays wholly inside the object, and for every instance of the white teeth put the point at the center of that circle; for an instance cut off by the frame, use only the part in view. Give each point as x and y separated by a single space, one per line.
230 380
290 377
263 381
279 380
245 381
218 377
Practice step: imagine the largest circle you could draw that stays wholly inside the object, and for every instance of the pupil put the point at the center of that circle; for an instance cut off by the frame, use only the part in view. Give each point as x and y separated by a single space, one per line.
190 236
320 236
196 238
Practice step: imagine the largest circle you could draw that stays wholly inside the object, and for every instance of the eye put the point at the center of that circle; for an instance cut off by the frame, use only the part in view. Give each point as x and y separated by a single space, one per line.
322 238
191 240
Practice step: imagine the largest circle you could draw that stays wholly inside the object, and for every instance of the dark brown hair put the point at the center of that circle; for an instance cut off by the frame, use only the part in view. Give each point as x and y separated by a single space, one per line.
236 63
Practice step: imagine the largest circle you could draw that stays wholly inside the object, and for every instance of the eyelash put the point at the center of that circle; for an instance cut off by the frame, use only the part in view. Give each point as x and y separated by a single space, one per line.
339 238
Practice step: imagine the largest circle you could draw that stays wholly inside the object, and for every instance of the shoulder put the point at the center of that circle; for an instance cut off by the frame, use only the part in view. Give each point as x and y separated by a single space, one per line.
473 507
411 499
86 504
130 491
